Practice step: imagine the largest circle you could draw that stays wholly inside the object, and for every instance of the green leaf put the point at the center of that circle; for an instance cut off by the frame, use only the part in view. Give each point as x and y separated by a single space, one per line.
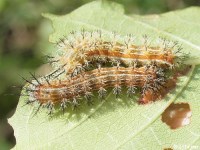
2 5
118 124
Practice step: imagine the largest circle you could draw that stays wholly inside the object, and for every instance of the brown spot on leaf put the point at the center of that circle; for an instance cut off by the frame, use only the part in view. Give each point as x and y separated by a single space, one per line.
163 91
167 149
170 84
183 71
177 115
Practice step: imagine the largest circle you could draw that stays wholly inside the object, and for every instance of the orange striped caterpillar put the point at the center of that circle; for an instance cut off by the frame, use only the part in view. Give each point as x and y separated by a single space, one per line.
80 50
49 93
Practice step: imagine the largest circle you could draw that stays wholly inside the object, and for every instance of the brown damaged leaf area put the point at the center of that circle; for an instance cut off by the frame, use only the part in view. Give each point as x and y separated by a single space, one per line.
166 88
163 91
177 115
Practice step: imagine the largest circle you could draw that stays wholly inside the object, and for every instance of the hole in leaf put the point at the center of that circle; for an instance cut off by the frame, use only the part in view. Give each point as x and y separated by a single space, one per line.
177 115
167 149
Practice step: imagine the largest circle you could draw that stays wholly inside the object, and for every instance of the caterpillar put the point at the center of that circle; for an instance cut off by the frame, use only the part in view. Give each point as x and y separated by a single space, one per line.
80 50
49 93
89 62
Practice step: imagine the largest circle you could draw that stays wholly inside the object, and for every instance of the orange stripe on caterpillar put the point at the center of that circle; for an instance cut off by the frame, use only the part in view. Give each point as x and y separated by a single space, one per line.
167 59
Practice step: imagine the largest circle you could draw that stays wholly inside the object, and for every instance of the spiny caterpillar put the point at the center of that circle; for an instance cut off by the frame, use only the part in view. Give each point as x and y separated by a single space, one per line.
71 89
81 50
88 62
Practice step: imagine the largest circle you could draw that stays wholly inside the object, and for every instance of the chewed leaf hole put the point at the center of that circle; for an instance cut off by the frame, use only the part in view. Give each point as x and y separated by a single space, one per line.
177 115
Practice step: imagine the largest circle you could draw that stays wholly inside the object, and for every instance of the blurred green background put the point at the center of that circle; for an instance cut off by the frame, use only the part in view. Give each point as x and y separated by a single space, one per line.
24 40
